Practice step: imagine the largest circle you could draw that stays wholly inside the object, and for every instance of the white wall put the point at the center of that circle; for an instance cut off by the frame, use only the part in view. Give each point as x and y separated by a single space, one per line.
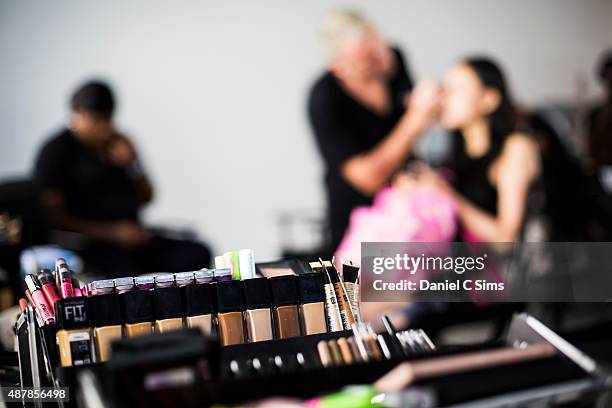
214 92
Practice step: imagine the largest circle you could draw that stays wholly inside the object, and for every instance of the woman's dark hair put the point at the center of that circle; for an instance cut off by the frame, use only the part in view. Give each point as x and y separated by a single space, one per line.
503 119
94 97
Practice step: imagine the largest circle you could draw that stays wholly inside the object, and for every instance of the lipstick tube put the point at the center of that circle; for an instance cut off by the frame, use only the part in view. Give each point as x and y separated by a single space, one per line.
38 299
222 275
48 287
204 276
144 282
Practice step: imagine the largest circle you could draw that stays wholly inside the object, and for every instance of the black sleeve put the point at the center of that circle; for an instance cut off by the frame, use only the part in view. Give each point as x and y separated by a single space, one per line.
335 139
50 168
402 79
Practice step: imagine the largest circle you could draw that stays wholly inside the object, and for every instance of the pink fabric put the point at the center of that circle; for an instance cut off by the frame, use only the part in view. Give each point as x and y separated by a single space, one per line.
423 214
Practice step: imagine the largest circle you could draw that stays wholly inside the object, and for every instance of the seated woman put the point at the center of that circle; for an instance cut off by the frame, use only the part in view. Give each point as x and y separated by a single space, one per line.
492 164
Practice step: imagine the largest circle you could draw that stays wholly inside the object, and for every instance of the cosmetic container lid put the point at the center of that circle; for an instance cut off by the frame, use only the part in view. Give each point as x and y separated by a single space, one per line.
198 299
144 282
333 273
104 286
350 273
204 276
184 278
223 274
105 310
72 313
46 276
137 306
284 290
32 283
164 280
124 284
167 303
311 288
256 293
229 296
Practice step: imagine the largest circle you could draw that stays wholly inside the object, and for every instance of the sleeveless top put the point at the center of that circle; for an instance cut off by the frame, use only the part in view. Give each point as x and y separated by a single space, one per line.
471 175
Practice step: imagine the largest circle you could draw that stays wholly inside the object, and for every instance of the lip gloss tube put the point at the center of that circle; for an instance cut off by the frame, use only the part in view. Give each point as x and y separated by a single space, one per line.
144 282
76 287
48 287
123 285
334 320
66 289
184 278
39 300
164 281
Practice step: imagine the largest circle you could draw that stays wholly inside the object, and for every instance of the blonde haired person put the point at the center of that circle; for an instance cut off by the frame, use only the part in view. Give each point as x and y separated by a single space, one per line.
364 123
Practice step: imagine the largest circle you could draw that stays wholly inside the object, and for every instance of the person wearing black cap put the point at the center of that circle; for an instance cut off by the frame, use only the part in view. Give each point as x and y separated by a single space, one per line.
92 182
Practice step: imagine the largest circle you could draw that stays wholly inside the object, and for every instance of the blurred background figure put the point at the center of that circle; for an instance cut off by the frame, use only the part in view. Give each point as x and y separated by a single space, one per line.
92 183
358 111
599 127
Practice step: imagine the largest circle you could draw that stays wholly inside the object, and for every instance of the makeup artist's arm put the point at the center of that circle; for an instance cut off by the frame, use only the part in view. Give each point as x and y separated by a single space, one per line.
124 233
369 171
121 152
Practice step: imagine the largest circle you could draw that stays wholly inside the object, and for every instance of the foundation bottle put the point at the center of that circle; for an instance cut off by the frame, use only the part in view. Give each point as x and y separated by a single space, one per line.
257 315
312 303
138 312
198 307
168 307
106 321
229 306
285 309
74 335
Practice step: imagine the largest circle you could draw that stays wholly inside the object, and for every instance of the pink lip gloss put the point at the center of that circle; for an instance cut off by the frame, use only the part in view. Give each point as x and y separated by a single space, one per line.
46 282
39 300
66 289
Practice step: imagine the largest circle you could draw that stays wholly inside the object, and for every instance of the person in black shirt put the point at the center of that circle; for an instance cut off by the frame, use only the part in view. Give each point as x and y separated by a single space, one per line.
92 183
357 110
